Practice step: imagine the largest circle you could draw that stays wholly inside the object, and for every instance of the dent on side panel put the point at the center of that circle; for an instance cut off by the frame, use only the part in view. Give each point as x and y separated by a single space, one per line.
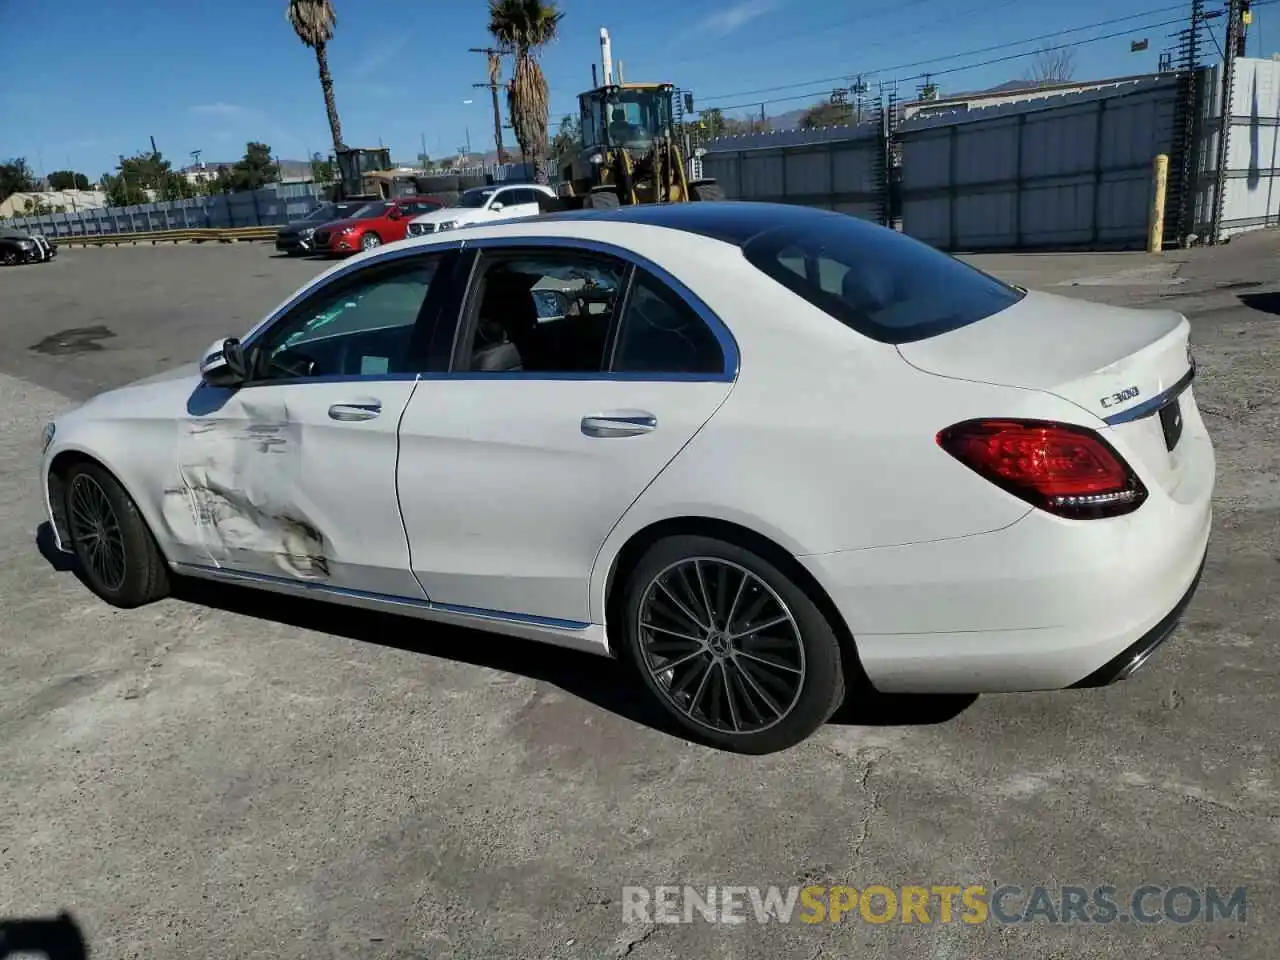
240 477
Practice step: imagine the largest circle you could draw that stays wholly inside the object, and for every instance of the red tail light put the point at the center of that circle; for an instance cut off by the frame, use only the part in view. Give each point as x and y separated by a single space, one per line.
1066 470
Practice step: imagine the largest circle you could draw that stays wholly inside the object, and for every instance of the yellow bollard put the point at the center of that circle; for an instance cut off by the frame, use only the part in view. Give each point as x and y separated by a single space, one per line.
1160 178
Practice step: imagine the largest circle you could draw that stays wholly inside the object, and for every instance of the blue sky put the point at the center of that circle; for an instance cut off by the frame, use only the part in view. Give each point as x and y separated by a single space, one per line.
87 81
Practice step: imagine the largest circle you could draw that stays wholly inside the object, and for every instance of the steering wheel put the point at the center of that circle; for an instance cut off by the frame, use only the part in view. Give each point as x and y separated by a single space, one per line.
292 363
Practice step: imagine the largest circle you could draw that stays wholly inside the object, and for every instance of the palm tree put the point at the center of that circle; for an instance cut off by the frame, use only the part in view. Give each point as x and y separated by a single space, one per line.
522 28
313 21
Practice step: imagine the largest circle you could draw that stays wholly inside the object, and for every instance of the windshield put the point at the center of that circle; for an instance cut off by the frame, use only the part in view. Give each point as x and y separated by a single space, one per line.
370 210
631 118
477 197
326 211
883 284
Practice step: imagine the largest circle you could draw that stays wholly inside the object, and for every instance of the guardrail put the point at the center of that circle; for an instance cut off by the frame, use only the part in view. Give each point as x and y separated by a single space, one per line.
193 235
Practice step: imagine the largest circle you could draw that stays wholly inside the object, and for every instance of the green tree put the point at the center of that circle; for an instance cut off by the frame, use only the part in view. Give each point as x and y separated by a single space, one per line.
826 115
566 139
321 169
15 177
223 181
68 180
313 21
255 169
522 28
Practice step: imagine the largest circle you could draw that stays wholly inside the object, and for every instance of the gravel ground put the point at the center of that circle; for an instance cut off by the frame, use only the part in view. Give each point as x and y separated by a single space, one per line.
223 774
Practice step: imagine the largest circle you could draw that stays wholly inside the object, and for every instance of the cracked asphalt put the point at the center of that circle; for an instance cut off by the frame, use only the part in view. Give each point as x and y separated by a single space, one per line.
230 775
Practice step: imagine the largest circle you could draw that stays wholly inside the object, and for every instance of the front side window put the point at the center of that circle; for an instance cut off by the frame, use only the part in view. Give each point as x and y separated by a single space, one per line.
660 333
880 283
358 326
543 313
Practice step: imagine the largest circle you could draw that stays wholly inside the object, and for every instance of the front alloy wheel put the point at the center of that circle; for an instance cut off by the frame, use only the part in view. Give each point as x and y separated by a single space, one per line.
118 556
369 241
734 650
96 531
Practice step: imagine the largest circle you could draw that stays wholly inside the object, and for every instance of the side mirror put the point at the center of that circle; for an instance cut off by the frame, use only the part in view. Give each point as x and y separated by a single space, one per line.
224 365
496 206
394 215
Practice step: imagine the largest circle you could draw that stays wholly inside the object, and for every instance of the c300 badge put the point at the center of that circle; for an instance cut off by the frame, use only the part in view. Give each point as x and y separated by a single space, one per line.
1128 393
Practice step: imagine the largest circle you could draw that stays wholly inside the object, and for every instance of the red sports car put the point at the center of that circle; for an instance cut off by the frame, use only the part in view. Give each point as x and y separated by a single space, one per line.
376 223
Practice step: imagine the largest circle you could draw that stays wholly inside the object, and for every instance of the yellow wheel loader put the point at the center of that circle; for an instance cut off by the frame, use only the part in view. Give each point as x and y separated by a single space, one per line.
632 149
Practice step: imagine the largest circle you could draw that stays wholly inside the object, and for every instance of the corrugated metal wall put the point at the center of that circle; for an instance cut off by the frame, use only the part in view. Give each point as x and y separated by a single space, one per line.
1068 171
835 168
1252 197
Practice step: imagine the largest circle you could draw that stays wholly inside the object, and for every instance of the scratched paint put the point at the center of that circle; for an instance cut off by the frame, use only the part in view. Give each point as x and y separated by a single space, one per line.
240 471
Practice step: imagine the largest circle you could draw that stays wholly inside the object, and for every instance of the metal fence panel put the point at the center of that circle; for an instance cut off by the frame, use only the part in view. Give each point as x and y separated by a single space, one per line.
833 168
1064 171
1251 197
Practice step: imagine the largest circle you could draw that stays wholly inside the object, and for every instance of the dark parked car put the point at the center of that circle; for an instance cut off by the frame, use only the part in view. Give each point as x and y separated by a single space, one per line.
296 237
23 246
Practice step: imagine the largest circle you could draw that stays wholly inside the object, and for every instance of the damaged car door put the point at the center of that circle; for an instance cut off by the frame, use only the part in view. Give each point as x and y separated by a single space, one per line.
292 473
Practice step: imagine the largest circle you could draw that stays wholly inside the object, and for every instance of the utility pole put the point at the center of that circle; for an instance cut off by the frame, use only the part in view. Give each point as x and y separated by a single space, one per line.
494 57
1232 48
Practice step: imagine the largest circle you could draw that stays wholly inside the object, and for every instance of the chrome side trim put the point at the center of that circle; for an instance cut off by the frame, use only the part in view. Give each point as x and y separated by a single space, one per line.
1152 406
307 586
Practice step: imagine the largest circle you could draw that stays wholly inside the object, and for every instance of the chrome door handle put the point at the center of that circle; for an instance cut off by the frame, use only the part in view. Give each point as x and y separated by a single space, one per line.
619 424
355 410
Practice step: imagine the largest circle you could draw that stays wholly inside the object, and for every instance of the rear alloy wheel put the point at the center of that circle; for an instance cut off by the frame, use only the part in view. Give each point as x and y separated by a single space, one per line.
730 646
369 241
117 554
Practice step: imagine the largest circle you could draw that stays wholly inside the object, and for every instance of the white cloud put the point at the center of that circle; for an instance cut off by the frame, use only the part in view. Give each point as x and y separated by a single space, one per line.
373 60
220 110
735 16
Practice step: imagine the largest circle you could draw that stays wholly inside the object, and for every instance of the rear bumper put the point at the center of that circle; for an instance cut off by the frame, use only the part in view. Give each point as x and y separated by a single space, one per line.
1043 604
1134 656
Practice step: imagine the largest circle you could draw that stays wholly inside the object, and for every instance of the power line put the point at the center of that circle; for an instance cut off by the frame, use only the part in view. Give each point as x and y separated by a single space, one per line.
967 53
950 70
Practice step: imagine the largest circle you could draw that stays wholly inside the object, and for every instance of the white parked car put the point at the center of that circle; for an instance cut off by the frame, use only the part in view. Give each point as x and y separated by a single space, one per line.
754 450
483 205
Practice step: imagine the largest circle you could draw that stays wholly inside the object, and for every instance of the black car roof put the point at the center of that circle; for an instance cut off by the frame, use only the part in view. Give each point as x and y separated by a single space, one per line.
731 221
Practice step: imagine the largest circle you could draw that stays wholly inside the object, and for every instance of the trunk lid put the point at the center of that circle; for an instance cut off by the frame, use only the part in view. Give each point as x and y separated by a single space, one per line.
1122 365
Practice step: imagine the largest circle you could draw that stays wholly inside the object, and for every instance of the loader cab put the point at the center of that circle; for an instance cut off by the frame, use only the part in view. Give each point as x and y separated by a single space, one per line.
629 115
354 166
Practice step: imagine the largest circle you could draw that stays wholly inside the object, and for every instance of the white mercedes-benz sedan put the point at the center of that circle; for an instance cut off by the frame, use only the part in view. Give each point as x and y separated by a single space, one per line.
762 453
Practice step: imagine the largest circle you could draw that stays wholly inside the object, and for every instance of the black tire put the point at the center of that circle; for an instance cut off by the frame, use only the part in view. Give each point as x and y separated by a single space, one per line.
771 720
605 199
706 190
145 575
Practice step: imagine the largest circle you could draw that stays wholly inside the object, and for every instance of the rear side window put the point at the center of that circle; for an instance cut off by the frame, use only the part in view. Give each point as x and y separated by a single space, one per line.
880 283
662 334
